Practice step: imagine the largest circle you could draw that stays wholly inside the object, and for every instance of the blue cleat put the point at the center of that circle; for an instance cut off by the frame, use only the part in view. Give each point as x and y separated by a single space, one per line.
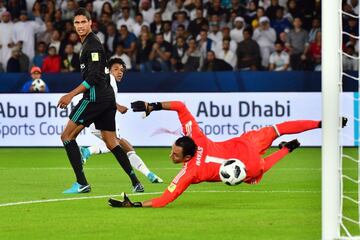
138 188
153 178
85 154
78 188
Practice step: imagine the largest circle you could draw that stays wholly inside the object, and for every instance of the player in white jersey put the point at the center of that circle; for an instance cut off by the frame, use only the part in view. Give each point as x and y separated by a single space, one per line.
117 69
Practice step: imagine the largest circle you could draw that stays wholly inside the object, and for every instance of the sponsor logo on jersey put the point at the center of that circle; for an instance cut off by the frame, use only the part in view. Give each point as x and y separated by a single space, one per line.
172 187
94 56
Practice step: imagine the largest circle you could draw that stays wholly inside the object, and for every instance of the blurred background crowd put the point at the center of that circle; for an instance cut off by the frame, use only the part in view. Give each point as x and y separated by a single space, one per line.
172 35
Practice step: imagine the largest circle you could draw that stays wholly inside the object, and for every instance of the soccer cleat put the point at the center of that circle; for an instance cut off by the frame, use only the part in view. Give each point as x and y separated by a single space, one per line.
292 145
85 154
78 188
153 178
138 188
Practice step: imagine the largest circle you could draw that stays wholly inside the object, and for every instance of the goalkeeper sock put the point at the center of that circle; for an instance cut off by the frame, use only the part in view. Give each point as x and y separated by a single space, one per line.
73 153
292 127
125 164
137 163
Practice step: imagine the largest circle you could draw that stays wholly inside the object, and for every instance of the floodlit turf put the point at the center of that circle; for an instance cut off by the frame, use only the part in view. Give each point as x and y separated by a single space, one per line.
285 205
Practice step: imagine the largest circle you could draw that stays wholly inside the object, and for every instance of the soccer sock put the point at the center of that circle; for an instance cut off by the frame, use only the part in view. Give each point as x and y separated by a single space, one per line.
125 163
73 153
98 149
274 158
137 163
291 127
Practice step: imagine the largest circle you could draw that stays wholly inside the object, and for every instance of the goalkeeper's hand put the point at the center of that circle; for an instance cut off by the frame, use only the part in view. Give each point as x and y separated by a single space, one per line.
125 203
291 145
141 106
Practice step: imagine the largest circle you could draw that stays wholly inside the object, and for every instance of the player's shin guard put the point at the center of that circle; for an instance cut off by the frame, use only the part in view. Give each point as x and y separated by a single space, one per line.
125 163
137 163
292 127
73 153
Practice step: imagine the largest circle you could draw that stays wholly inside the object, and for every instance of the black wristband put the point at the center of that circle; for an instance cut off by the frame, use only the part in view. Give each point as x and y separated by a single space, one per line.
137 204
156 106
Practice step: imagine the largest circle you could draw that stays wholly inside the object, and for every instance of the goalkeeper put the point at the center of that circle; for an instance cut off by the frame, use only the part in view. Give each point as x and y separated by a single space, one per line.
117 69
202 157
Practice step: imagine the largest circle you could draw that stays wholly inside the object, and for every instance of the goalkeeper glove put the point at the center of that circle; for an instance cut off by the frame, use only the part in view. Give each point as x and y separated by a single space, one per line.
293 144
141 106
125 203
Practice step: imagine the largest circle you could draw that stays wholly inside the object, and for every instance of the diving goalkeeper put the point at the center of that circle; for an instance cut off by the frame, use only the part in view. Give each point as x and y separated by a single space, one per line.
202 157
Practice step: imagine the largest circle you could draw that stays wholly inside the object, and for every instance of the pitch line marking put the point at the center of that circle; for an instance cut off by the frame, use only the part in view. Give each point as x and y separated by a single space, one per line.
143 194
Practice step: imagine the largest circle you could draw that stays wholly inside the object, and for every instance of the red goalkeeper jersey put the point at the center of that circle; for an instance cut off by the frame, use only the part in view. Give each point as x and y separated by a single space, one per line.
204 166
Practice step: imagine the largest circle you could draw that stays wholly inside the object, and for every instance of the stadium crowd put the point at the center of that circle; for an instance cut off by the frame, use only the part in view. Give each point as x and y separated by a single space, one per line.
170 35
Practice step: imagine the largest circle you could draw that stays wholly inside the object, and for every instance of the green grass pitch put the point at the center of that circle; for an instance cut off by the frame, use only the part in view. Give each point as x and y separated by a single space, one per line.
285 205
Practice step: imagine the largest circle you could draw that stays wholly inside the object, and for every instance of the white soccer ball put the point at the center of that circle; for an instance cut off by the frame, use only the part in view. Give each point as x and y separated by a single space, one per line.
232 172
38 85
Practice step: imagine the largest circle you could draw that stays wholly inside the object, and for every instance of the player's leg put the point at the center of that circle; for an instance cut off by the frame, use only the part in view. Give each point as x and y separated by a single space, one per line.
136 162
68 137
110 139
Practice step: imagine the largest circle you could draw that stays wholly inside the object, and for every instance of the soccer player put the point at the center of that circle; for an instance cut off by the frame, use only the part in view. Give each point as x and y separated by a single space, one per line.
117 69
202 157
97 106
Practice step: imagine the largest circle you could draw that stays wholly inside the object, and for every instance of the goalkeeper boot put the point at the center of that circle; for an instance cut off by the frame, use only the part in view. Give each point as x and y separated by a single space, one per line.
138 188
85 154
78 188
344 121
291 146
153 178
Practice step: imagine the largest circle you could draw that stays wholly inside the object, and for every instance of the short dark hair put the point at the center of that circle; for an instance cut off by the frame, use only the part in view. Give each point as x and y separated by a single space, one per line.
188 145
117 61
82 12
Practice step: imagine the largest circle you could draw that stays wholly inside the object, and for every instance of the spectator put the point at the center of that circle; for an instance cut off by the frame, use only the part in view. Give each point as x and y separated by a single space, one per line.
24 60
129 41
193 7
205 44
98 6
119 53
236 33
214 64
297 43
28 86
147 11
166 14
73 39
58 22
215 34
155 26
265 36
226 35
126 20
98 33
314 29
260 12
112 38
37 11
16 7
272 9
279 60
2 8
198 23
178 53
227 54
23 29
315 52
70 60
55 40
108 9
139 21
292 11
52 62
89 6
160 54
214 8
167 33
144 47
6 42
68 12
181 32
192 58
45 36
350 60
251 13
280 24
238 7
13 64
248 52
180 19
40 54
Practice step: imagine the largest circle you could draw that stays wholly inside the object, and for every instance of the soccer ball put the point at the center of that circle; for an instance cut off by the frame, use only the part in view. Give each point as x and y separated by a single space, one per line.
38 85
232 172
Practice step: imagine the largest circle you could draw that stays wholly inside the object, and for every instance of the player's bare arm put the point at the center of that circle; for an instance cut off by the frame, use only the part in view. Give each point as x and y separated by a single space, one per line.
66 99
